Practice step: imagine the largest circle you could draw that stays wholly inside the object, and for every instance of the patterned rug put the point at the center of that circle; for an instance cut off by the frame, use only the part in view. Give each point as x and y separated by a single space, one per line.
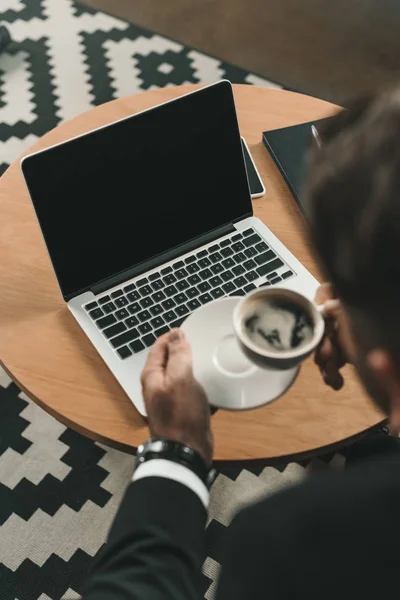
58 490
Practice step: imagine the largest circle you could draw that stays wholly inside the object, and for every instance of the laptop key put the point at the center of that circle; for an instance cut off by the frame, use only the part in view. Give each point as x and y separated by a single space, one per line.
228 287
146 302
217 268
181 273
181 310
104 299
158 296
204 262
227 275
120 302
213 248
239 270
178 322
171 290
136 346
237 246
287 274
144 316
109 307
272 275
248 232
204 287
161 331
124 352
193 304
236 237
228 263
145 290
149 339
214 281
156 310
91 306
276 280
193 268
142 281
205 298
226 252
249 252
217 293
169 279
154 276
158 284
132 296
249 264
193 279
114 330
263 258
265 284
261 247
192 292
182 285
169 303
166 270
251 276
239 257
239 281
216 257
180 298
157 322
145 328
178 265
122 313
205 274
189 259
131 322
96 313
271 266
225 243
238 293
250 241
106 321
117 294
248 288
129 288
202 254
169 316
134 308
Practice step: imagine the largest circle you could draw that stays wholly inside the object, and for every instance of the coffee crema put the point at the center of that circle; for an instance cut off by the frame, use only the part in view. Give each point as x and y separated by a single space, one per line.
278 325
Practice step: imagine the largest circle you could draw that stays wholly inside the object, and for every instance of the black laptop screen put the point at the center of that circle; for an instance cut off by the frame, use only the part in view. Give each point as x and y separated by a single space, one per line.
118 196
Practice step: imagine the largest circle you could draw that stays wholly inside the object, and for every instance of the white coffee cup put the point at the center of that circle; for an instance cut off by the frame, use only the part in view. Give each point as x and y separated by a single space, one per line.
277 359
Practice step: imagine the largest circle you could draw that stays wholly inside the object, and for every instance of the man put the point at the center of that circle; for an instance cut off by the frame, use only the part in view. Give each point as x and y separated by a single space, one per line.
337 535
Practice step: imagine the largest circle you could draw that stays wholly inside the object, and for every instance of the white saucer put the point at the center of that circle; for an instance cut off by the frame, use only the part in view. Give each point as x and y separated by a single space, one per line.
230 380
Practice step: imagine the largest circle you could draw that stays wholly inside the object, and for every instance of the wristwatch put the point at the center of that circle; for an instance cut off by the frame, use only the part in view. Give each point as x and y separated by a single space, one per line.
178 453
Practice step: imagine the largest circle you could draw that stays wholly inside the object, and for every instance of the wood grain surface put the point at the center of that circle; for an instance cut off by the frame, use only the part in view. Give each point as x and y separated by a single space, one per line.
49 357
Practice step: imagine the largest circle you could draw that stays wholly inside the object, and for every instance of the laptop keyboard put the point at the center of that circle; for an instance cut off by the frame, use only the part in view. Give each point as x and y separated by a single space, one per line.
133 317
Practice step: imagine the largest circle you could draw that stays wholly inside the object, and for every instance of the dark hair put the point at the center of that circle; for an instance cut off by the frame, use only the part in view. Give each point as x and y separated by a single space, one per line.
352 198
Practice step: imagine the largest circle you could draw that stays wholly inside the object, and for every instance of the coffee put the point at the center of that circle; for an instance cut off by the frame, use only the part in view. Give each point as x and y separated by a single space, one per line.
278 325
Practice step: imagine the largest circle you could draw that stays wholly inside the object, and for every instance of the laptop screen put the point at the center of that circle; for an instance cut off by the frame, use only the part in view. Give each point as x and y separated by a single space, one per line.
113 198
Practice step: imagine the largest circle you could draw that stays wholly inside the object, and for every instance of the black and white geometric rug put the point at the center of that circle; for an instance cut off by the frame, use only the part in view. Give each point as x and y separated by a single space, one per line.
58 490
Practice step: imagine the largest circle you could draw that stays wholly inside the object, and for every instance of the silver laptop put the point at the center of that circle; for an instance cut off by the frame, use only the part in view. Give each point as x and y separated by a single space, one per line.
150 217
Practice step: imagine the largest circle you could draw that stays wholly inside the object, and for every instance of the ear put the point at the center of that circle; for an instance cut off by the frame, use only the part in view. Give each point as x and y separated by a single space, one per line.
387 374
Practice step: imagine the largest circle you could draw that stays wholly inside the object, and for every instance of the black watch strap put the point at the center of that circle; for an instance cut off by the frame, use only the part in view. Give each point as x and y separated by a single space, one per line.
176 452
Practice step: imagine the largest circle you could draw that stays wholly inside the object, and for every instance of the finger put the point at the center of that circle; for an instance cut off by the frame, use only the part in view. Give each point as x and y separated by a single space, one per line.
324 352
331 375
330 309
324 293
179 355
154 370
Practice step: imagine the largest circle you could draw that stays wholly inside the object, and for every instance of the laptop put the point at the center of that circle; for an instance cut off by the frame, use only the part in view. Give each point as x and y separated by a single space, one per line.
150 217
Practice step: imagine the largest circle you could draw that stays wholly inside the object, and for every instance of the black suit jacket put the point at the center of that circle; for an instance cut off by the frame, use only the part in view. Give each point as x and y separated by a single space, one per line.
335 537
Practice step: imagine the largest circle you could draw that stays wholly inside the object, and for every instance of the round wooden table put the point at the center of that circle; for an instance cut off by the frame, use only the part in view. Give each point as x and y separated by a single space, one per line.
48 356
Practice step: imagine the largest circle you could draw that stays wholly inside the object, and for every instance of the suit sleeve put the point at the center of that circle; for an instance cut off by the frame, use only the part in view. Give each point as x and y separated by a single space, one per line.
155 549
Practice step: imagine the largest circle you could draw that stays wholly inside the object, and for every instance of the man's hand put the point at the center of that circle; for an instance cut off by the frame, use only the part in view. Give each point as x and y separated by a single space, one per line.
330 355
177 406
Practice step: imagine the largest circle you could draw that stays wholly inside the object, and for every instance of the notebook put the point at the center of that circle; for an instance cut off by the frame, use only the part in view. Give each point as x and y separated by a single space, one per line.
288 148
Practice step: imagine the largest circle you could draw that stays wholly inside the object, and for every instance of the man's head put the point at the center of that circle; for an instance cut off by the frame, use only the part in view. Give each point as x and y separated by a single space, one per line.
353 201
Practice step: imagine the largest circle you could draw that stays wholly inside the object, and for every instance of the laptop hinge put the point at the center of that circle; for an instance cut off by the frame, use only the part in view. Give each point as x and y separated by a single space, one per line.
106 284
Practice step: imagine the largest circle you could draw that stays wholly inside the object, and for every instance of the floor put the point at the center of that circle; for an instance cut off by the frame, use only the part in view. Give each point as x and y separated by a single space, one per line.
329 49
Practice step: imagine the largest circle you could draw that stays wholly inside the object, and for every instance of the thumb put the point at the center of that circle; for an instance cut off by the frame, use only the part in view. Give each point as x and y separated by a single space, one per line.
330 309
179 354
